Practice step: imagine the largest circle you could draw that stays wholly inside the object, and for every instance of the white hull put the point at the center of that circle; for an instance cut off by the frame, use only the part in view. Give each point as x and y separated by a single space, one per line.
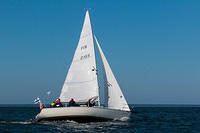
82 114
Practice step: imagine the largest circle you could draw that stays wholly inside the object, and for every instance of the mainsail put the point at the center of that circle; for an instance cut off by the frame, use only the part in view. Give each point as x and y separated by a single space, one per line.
81 82
114 97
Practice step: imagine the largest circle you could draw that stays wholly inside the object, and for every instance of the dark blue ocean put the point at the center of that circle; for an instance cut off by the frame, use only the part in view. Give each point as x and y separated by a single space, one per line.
149 119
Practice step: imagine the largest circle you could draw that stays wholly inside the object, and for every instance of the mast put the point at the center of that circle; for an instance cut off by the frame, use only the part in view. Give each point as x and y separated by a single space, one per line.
96 70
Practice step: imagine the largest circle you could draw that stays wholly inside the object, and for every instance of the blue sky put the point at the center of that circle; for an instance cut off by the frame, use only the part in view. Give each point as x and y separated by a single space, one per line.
153 47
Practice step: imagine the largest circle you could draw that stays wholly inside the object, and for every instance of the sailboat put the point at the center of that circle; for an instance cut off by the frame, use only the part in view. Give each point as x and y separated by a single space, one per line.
81 84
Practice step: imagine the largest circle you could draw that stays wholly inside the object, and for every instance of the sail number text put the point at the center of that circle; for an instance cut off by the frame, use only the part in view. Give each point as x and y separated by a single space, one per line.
85 56
83 47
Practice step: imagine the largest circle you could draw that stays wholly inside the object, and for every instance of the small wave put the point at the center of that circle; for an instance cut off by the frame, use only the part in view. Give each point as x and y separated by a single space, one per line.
122 119
21 122
71 121
57 122
16 122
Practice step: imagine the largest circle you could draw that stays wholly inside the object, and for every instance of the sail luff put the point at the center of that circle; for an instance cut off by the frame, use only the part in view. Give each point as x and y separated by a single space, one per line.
95 67
81 81
96 70
115 98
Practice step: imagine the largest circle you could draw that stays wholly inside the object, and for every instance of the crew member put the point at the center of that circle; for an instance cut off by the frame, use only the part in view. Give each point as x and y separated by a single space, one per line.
53 104
72 103
89 104
58 103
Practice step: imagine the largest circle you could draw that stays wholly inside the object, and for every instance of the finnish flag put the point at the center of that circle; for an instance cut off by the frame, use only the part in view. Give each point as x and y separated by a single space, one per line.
37 100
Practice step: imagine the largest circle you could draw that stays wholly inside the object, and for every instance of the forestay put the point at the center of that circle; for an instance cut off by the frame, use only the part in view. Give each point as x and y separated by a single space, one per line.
114 97
81 81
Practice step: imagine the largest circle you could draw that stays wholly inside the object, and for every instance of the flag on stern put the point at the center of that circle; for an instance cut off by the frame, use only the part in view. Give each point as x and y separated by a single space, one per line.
37 100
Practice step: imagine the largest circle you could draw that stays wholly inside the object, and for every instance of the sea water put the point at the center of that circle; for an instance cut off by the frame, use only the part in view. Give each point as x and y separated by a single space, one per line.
148 119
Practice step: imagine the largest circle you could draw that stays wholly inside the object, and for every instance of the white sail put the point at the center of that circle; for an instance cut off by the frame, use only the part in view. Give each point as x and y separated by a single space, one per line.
114 97
81 81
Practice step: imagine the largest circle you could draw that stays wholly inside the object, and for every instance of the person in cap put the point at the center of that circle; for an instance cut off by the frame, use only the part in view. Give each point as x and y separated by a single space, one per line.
58 103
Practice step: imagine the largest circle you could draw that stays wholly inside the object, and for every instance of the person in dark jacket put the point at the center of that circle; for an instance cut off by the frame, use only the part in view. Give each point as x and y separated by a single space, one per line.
72 103
89 103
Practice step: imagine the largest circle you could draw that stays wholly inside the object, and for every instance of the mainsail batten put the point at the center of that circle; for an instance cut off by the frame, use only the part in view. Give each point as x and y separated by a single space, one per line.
81 81
115 98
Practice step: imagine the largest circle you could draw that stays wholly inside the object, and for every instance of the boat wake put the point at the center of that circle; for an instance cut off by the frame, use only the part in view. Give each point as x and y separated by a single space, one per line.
16 122
122 119
57 122
36 122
